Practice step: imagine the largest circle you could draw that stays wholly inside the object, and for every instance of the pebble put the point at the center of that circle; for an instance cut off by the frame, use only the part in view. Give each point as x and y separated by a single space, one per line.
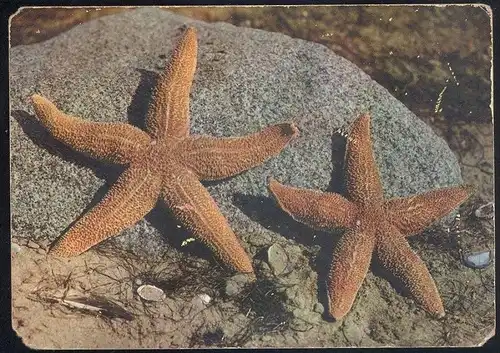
261 240
307 316
236 284
15 247
32 245
319 308
266 338
478 260
353 334
277 259
198 303
298 297
486 211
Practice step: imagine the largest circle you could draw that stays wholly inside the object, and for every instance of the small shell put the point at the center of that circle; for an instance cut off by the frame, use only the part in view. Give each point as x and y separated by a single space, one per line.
204 298
150 293
478 260
486 211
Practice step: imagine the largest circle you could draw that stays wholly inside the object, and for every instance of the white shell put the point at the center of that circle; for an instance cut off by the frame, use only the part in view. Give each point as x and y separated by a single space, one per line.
205 298
150 293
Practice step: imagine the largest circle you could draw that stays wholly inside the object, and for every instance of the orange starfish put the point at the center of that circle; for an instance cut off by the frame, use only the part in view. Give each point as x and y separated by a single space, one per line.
375 225
164 162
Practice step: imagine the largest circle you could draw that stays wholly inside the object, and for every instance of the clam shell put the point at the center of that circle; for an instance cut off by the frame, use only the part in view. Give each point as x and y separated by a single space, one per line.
150 293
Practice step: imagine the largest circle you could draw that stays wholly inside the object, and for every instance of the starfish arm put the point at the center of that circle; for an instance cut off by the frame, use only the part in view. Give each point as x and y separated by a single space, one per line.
217 158
115 142
362 177
394 254
317 209
195 209
168 113
132 196
411 215
350 262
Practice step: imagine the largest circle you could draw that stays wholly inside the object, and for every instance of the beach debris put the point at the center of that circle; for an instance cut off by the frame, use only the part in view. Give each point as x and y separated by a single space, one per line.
90 304
151 293
486 211
99 305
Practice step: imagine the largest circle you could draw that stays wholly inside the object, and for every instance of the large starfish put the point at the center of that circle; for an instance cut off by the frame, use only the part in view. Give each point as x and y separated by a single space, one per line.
164 162
375 225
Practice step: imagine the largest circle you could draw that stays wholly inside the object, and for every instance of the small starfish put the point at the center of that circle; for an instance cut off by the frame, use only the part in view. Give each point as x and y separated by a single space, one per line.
375 225
164 162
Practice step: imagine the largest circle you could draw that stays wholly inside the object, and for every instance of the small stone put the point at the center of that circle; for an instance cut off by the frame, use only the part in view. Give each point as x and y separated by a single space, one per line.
236 284
150 293
299 324
15 247
263 267
32 245
319 308
353 334
198 303
177 340
299 297
486 211
261 240
277 259
306 317
478 260
265 338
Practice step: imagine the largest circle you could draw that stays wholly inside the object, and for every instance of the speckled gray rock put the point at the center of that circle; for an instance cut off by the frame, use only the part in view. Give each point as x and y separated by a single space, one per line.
246 79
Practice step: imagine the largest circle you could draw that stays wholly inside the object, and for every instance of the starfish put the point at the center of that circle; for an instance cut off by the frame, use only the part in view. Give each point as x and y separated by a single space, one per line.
164 163
374 225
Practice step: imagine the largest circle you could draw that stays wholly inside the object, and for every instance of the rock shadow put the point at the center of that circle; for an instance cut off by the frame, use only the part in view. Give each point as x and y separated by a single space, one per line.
138 108
41 137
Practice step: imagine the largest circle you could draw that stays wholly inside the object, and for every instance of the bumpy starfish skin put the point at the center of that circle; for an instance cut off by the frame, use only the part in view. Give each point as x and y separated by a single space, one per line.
164 162
375 225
